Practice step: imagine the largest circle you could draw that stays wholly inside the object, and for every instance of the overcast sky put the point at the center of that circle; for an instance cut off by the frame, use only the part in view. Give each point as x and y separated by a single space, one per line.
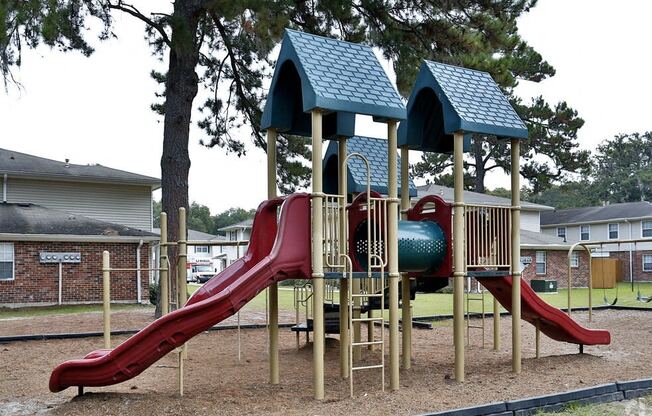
96 110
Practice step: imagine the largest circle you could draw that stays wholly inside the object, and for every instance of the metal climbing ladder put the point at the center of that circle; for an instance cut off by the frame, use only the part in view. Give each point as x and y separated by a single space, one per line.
471 297
376 260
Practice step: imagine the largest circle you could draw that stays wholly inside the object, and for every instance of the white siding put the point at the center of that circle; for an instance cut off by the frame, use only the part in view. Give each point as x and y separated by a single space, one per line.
128 205
530 221
600 232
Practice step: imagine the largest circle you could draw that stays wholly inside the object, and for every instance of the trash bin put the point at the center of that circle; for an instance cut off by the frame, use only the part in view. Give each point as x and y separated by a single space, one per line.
544 286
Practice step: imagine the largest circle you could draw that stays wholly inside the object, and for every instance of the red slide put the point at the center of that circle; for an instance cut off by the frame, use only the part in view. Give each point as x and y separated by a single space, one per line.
552 321
273 255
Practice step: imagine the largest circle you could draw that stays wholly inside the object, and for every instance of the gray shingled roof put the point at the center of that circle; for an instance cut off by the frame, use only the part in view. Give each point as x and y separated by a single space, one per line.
478 198
597 214
15 163
195 235
242 224
31 219
534 240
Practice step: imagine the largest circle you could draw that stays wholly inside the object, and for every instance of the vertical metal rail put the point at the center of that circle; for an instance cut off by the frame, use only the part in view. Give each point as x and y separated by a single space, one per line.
516 255
406 307
459 261
164 276
317 256
273 288
106 297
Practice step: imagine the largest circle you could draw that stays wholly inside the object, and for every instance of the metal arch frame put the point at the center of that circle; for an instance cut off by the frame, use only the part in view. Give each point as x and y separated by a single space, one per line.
585 245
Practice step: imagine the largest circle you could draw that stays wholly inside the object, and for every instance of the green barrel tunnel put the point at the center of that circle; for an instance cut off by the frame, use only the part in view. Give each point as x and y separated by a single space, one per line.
421 246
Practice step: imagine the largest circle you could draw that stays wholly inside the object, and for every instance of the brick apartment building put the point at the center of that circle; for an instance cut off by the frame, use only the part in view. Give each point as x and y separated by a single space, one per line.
610 224
57 218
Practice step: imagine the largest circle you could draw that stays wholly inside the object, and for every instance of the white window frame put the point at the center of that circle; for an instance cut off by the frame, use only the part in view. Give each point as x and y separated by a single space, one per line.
588 233
575 259
202 249
13 261
643 228
544 262
617 231
643 262
563 234
233 235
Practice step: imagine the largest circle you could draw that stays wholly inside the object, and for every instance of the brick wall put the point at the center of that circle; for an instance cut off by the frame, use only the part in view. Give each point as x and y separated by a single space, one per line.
557 268
637 260
38 283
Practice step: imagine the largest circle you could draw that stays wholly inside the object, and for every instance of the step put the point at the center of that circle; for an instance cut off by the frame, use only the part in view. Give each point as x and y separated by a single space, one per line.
366 367
356 344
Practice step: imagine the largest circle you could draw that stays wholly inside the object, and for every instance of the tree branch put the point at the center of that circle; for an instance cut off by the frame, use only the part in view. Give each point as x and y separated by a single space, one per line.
133 11
239 85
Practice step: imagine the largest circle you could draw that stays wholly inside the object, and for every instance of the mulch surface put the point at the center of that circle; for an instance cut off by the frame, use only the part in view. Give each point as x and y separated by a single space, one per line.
216 383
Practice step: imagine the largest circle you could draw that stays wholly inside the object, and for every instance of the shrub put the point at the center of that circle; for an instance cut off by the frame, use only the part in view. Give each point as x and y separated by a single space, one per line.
153 294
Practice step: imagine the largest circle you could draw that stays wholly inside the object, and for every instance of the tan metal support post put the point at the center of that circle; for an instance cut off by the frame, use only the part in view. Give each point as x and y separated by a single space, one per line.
590 285
392 254
106 297
496 325
164 276
406 306
182 273
537 336
516 257
273 289
180 368
458 256
317 257
344 283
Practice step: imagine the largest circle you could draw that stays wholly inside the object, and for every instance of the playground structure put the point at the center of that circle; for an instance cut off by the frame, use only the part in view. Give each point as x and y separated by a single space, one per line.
318 87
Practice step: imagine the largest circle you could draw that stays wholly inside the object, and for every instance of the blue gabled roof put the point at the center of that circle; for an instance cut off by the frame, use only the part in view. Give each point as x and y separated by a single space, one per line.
333 75
447 99
375 151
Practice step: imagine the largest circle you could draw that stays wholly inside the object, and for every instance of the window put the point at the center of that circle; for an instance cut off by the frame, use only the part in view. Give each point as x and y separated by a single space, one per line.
202 249
646 229
541 262
233 235
585 232
613 231
561 232
575 259
6 261
647 262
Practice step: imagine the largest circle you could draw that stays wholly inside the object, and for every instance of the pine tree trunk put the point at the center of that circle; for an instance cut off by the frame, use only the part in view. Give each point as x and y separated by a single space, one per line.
478 185
181 89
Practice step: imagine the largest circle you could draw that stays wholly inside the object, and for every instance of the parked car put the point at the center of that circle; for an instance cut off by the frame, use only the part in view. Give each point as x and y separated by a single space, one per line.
201 273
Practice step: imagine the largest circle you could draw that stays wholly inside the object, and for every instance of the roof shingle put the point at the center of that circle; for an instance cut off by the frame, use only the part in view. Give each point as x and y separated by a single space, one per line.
597 214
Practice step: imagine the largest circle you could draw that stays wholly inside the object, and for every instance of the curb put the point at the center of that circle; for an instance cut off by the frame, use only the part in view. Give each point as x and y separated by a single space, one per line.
578 309
605 393
77 335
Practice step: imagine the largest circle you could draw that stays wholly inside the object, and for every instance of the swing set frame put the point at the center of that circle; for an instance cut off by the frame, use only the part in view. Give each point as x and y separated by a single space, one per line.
588 246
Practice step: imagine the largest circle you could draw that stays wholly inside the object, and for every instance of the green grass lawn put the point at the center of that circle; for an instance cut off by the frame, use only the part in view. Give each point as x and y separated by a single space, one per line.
426 304
640 406
7 313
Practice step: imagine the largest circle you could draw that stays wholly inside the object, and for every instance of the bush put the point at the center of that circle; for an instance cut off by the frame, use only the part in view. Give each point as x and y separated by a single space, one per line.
153 294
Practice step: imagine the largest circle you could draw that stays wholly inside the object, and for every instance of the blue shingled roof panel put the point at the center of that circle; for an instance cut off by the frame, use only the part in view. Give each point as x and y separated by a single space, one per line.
375 151
477 100
334 76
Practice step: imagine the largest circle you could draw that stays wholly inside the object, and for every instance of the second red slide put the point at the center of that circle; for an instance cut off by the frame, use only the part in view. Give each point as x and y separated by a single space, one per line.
553 322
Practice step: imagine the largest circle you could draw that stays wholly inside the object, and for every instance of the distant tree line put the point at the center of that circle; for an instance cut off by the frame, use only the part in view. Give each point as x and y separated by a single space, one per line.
200 217
620 170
